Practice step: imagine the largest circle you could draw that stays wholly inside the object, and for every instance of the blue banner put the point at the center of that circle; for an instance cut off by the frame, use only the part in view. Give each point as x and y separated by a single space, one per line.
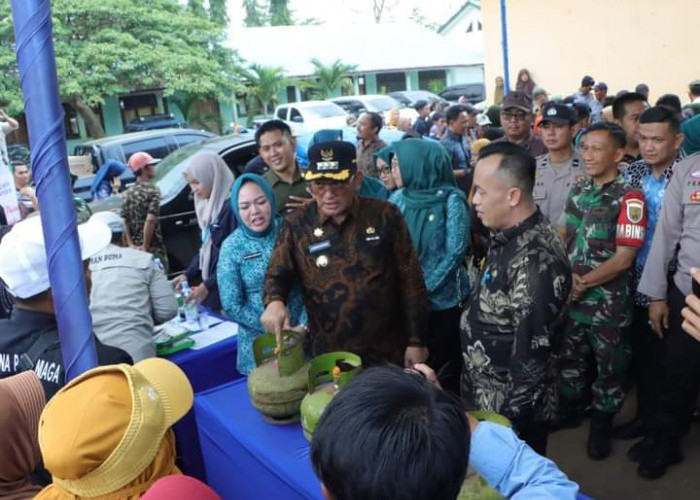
44 113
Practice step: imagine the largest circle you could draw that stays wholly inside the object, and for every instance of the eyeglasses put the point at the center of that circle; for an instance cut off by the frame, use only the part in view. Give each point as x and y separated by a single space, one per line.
318 187
384 170
510 117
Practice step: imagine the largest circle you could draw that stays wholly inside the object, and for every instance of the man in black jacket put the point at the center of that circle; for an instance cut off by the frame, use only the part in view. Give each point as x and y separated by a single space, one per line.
29 339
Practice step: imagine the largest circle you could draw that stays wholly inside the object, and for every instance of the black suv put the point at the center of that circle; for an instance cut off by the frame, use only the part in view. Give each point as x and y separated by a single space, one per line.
474 92
157 143
152 122
178 220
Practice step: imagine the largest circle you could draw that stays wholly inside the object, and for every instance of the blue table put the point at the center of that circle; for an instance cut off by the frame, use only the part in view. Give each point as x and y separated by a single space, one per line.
248 459
205 368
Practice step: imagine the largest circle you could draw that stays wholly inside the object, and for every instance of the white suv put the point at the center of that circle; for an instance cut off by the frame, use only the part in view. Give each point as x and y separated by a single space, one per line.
306 116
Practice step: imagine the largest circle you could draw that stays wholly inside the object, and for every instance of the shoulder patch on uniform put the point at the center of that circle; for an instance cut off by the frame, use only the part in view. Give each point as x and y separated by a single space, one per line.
635 210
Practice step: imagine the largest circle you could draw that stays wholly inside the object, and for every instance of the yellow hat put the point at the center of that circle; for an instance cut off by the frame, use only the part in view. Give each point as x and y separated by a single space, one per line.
100 431
478 144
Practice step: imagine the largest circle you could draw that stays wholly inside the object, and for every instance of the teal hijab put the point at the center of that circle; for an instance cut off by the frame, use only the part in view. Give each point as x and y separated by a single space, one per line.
428 180
691 135
385 154
236 189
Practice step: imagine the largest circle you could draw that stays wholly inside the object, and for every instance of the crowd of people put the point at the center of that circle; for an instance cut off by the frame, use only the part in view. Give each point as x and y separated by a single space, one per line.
534 260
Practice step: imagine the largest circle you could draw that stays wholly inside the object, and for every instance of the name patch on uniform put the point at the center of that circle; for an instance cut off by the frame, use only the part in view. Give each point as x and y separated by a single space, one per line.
696 174
373 238
631 221
319 247
630 231
105 257
252 256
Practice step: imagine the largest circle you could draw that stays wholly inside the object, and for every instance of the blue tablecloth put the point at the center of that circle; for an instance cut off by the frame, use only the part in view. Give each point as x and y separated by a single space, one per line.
205 368
248 459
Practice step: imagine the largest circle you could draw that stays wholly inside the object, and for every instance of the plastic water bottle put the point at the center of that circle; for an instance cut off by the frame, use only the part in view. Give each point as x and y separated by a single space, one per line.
191 313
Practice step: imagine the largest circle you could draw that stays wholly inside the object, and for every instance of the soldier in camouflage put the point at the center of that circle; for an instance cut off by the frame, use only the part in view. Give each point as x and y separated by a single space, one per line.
141 208
602 226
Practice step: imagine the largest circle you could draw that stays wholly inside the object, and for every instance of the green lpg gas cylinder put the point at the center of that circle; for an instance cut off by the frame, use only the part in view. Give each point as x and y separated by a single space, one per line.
280 381
475 488
328 373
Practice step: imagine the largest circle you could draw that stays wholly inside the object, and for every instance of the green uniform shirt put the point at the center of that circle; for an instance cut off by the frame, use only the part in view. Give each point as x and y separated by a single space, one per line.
283 190
597 219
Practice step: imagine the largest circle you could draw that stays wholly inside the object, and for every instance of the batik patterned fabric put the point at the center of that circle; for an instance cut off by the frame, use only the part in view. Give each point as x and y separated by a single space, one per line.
241 273
640 176
597 219
513 324
141 199
362 282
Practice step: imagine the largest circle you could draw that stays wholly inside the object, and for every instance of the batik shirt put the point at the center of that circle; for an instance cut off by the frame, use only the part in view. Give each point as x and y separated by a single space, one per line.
626 161
365 158
141 199
640 176
241 273
361 280
597 219
514 321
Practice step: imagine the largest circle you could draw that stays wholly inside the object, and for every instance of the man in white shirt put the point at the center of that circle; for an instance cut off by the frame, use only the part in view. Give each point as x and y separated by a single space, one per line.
129 294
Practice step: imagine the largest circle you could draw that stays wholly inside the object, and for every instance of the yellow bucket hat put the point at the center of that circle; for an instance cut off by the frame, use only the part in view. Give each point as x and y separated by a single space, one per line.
101 430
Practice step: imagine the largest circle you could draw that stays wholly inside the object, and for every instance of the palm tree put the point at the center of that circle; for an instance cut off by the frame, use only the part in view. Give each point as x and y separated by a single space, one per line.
189 105
263 88
328 79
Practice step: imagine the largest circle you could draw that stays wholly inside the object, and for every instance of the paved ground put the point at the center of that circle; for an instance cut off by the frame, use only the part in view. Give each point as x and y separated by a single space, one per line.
616 477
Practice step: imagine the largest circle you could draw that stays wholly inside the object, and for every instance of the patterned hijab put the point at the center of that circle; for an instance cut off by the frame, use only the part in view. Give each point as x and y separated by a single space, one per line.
21 401
211 171
428 180
267 190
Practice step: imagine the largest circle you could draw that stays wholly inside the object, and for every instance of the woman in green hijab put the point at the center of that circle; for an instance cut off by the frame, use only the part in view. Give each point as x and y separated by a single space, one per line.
382 161
437 216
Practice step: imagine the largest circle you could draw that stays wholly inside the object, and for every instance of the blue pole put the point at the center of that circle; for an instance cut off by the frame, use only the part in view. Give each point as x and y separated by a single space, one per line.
42 106
504 41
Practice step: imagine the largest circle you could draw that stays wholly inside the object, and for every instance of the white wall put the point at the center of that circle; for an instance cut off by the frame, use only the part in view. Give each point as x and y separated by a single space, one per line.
465 74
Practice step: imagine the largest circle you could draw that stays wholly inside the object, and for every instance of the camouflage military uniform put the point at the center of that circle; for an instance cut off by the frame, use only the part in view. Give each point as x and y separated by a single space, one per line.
598 219
141 199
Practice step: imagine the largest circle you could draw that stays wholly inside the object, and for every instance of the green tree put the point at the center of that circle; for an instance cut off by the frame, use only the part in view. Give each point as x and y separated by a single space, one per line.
274 13
111 47
189 105
196 7
217 12
264 84
418 17
329 78
254 14
280 15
